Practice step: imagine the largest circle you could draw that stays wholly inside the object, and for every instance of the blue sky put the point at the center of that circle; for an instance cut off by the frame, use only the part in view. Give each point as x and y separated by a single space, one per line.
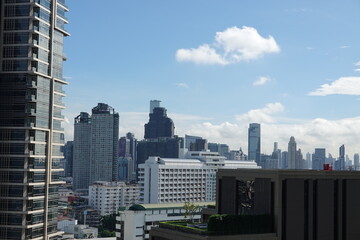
293 66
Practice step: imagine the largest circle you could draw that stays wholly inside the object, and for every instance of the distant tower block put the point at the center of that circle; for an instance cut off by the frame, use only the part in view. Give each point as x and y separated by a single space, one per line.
154 104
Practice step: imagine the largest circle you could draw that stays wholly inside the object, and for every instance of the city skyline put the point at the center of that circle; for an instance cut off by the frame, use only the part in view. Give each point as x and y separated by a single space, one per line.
291 81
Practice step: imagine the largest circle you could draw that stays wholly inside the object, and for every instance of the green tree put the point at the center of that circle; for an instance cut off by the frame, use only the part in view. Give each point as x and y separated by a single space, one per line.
107 225
107 233
190 210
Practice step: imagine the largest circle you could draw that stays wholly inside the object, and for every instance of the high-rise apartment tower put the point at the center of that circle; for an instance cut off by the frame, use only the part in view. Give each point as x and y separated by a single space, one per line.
31 136
81 152
95 147
104 143
292 153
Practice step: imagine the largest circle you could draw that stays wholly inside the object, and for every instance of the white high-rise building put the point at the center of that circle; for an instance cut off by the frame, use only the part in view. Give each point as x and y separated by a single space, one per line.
172 180
166 180
107 197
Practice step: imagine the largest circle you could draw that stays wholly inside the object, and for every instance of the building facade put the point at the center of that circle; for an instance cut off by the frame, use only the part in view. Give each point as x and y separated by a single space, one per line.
291 156
104 144
68 151
108 197
213 162
318 159
81 152
31 136
164 180
254 142
159 137
340 163
127 157
95 147
356 162
303 204
154 104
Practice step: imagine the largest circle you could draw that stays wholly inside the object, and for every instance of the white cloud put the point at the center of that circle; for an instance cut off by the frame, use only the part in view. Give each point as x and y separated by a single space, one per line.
343 85
345 46
201 55
261 81
262 114
231 46
357 70
217 132
182 85
357 64
309 134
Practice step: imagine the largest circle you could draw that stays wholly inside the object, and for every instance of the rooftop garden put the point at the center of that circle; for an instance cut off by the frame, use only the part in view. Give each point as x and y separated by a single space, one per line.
225 225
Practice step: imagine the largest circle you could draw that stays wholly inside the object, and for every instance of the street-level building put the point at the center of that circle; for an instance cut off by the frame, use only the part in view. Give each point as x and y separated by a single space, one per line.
135 222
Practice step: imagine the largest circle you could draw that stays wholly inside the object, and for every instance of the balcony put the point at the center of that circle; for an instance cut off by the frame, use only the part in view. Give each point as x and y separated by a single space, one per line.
30 111
30 83
31 97
62 2
30 124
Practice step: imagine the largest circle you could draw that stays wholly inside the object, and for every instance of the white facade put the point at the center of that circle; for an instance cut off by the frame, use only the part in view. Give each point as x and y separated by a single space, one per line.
135 223
172 180
107 197
213 161
67 226
165 180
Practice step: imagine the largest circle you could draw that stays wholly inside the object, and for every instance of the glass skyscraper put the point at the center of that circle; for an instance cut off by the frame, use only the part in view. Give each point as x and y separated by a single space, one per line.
254 142
31 136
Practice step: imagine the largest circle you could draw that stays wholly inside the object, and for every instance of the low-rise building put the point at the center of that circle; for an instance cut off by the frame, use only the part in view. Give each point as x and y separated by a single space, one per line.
108 197
135 222
84 232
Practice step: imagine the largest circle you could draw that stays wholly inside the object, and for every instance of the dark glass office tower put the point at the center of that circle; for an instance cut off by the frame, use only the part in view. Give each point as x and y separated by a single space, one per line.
159 137
31 136
159 125
254 142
